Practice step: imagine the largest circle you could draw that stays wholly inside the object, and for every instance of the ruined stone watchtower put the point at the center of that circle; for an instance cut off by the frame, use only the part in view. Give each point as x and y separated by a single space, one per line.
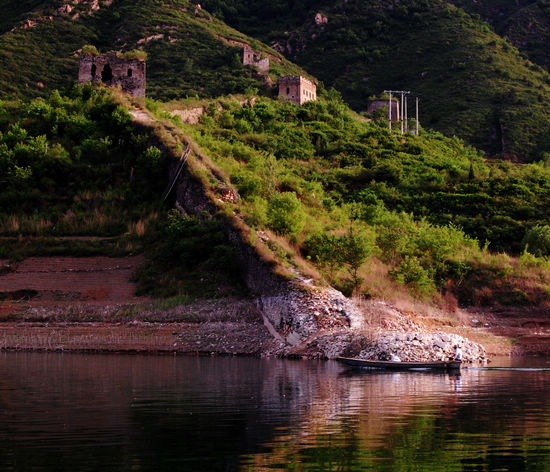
376 104
111 69
251 57
297 89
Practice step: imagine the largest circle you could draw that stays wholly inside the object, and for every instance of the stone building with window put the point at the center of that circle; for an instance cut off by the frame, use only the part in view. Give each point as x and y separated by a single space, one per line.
297 89
111 69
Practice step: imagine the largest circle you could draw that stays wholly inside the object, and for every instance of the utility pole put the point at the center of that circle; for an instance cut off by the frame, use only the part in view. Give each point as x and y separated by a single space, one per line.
403 93
406 116
417 116
402 104
389 111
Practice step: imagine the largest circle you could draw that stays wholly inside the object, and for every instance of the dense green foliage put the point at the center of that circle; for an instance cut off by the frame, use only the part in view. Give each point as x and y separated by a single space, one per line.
74 162
76 165
421 204
537 240
188 59
526 23
472 83
189 256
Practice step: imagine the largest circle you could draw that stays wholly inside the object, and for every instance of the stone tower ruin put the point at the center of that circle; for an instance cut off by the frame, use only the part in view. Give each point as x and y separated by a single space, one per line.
251 57
297 89
110 69
381 103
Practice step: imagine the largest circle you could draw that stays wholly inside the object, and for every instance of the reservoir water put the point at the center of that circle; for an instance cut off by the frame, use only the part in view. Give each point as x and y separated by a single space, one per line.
75 412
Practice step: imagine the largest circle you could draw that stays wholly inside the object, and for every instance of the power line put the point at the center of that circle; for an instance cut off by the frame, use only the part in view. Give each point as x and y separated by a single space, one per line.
404 118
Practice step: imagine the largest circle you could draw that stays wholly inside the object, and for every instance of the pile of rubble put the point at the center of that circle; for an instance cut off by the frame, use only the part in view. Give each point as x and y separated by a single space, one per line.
420 346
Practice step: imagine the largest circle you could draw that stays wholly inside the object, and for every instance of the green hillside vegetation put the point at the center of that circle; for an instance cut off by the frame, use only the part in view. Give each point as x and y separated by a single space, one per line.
322 189
76 165
472 83
15 11
66 162
375 211
188 59
526 24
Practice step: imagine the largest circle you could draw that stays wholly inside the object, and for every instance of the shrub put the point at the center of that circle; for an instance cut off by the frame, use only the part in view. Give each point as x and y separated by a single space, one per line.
138 54
356 246
537 240
410 272
150 161
324 249
89 50
285 214
257 212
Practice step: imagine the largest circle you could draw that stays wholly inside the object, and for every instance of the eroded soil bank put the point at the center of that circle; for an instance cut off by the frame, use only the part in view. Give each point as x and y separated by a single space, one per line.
68 304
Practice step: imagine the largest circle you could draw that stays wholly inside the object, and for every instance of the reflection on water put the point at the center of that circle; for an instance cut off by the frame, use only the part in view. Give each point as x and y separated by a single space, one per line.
95 412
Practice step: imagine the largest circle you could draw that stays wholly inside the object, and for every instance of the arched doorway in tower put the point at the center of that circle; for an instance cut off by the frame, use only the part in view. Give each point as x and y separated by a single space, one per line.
107 74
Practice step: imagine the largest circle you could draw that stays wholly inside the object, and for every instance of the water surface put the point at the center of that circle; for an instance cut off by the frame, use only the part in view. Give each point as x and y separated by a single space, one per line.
72 412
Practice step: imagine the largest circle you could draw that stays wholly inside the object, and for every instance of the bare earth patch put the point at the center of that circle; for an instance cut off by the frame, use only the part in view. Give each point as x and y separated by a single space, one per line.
70 303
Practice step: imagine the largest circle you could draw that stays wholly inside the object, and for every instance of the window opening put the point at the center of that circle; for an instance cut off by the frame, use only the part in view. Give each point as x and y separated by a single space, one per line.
130 72
94 70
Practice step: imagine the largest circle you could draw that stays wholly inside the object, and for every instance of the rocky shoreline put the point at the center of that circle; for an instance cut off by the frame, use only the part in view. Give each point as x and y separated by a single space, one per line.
232 327
98 312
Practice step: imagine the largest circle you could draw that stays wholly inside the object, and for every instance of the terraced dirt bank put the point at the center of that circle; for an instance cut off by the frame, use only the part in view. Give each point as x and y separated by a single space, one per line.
69 303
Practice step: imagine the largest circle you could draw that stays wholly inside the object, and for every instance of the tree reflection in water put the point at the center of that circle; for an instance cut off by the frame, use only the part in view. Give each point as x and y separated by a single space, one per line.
98 412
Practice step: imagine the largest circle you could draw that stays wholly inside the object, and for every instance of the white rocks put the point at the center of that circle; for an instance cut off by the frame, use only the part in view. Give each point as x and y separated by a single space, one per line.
302 313
431 346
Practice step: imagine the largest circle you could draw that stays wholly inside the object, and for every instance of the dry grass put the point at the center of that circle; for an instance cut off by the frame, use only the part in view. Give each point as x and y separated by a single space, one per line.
140 227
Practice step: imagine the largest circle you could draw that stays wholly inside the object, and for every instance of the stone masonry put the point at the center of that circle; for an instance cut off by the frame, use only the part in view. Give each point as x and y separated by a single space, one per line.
109 69
377 104
297 89
250 57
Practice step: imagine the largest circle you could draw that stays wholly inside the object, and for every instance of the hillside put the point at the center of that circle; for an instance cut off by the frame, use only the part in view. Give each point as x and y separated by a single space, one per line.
190 52
310 174
316 192
471 81
526 24
308 196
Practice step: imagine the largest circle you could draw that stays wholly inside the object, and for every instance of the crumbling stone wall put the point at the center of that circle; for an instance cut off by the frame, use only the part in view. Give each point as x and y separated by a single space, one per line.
129 74
297 89
377 104
251 57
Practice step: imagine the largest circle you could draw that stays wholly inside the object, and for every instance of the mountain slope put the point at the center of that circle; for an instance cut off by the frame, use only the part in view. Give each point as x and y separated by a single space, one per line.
525 23
190 52
472 83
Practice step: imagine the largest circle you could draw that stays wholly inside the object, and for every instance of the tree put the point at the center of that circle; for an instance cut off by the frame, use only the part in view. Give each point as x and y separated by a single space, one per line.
325 250
356 247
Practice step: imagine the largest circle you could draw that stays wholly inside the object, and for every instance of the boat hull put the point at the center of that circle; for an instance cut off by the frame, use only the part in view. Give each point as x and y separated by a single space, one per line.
392 365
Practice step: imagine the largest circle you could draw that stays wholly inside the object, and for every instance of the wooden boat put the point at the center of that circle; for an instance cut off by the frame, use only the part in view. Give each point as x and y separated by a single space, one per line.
394 365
